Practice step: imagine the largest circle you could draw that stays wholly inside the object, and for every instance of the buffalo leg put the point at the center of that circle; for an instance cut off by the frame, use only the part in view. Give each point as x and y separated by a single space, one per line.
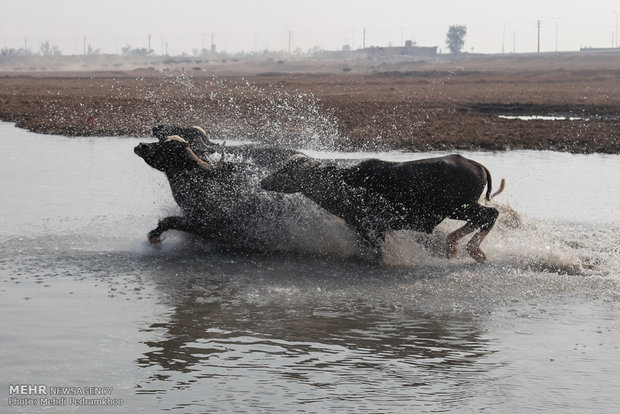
453 239
477 216
169 223
473 246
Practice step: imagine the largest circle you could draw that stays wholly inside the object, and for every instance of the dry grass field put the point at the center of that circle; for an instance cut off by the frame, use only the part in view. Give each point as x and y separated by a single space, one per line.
446 104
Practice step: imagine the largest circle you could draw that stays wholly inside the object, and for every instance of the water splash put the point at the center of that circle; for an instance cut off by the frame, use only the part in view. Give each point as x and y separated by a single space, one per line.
516 242
244 111
227 109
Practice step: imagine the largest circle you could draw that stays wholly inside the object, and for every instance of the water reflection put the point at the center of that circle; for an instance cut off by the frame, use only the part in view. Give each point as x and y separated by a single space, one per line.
317 336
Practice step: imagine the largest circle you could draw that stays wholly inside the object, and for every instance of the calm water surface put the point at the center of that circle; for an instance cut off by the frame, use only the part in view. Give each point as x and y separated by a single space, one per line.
85 301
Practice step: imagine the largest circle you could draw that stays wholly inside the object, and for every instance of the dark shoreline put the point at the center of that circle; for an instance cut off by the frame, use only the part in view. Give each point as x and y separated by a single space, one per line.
359 112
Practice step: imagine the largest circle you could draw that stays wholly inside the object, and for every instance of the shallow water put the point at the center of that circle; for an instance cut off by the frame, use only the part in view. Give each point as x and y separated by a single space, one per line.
85 301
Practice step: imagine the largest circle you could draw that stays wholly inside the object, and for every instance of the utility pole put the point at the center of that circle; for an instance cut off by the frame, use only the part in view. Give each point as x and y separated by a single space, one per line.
538 50
290 41
556 35
503 37
148 51
85 45
617 29
364 38
212 42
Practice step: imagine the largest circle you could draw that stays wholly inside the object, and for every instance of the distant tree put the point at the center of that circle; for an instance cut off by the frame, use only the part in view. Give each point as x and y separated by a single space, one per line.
49 50
15 52
92 51
128 51
456 38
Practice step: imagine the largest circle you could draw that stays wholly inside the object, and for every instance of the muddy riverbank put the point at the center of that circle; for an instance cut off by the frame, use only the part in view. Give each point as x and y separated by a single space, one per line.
570 104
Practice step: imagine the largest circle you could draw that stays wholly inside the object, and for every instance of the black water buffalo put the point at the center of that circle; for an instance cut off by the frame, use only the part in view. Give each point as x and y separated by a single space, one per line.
265 156
375 196
220 201
189 176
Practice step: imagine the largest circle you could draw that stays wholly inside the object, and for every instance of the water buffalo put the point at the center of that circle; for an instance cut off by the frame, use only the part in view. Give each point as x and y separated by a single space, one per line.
375 196
220 201
188 175
265 156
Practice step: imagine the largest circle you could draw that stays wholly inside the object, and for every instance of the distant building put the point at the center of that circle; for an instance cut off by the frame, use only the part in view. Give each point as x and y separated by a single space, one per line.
600 49
410 49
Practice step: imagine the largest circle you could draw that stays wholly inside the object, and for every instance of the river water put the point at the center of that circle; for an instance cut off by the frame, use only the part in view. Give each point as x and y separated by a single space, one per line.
85 301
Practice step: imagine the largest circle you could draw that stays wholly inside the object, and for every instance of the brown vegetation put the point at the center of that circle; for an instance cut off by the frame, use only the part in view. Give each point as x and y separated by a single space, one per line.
416 106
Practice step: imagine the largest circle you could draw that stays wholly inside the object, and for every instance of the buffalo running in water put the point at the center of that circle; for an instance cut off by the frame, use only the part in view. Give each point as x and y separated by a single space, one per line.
222 201
375 196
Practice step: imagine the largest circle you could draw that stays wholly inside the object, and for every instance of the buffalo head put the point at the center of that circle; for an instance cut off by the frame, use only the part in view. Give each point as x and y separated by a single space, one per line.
173 154
195 136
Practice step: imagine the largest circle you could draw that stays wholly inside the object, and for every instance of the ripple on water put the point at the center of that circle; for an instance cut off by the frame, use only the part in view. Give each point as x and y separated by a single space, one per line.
191 327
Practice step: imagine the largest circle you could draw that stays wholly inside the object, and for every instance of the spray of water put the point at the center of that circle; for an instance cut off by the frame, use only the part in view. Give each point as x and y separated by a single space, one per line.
292 223
244 111
516 242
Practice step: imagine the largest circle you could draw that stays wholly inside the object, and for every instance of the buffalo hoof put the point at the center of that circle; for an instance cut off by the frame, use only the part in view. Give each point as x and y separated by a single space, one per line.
153 238
477 254
473 247
451 249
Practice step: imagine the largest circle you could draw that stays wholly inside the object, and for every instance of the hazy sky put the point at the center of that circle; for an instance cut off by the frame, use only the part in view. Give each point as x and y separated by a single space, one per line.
245 25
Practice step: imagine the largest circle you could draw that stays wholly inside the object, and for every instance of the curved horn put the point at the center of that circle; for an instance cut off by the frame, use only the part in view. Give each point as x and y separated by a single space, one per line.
176 138
205 165
202 136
